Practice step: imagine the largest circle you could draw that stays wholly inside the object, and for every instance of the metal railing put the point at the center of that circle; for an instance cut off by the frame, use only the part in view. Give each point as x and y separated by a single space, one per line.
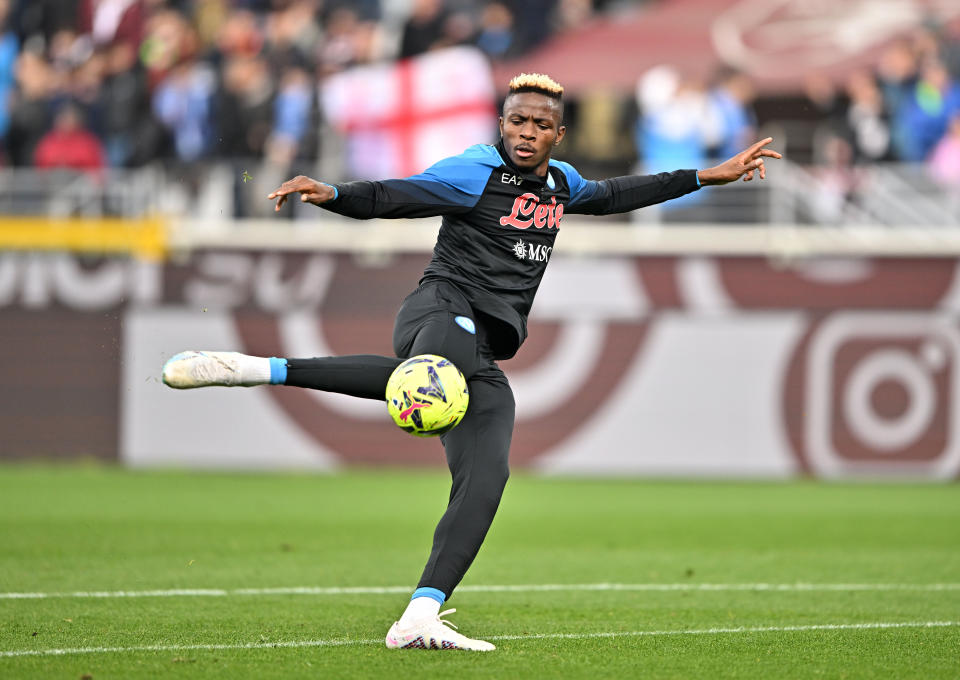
882 195
62 193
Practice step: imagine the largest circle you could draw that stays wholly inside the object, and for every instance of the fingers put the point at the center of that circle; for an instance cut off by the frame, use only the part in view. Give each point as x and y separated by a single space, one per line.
752 167
765 153
282 190
757 151
306 187
759 145
281 193
755 166
298 183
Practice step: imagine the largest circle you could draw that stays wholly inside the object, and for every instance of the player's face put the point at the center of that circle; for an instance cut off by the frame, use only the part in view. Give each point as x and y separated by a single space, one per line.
530 127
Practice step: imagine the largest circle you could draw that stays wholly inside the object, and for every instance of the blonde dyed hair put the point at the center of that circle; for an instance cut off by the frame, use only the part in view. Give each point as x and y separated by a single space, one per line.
536 82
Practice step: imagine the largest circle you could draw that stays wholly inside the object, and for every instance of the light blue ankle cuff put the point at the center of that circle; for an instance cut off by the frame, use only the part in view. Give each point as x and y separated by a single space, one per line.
278 371
429 592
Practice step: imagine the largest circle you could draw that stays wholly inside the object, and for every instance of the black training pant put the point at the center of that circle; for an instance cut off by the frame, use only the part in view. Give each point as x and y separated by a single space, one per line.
477 449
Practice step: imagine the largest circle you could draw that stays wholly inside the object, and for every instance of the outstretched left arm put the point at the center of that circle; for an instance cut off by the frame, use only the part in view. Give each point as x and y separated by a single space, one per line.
623 194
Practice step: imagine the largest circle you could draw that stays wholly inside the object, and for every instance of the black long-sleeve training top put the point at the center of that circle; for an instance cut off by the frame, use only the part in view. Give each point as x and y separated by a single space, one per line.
500 223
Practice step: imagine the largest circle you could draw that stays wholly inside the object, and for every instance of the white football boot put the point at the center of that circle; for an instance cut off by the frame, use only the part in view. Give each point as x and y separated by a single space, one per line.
205 369
433 634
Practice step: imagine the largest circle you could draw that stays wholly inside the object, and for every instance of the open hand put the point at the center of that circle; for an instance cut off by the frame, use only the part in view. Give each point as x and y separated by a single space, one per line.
310 190
744 164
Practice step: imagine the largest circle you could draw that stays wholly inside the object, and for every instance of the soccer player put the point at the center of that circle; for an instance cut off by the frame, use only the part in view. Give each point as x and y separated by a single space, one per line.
501 208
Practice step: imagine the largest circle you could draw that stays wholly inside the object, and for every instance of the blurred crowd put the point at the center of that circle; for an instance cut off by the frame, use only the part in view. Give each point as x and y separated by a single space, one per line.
686 122
120 83
904 107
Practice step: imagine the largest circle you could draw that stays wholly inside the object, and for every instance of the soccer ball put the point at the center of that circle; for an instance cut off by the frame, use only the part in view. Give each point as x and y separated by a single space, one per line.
427 395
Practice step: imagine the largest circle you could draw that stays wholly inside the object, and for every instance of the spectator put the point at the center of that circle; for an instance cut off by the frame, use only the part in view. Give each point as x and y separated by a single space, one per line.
39 20
31 106
9 46
82 84
291 114
945 160
822 98
530 15
837 180
368 42
674 113
69 145
245 107
732 123
926 112
170 40
210 17
950 49
673 125
897 72
496 36
925 42
131 134
867 119
292 33
240 35
572 14
424 29
68 50
183 103
289 139
342 46
459 28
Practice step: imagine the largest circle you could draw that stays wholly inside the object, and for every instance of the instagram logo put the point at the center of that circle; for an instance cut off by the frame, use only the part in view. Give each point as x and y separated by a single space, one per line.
879 396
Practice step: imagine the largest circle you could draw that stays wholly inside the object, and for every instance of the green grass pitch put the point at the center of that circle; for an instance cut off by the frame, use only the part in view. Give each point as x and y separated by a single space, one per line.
691 558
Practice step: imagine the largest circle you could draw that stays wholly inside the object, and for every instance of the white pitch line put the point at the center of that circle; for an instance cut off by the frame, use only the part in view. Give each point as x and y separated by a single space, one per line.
185 648
879 625
521 588
292 644
196 592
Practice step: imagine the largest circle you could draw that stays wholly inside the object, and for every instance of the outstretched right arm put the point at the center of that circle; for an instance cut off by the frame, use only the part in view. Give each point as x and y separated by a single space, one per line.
453 185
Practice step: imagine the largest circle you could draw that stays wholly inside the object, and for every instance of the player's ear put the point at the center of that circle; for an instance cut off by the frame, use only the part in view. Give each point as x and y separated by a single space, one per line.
560 133
501 125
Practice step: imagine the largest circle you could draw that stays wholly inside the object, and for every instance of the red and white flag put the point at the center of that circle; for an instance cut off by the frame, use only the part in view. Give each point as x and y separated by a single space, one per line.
401 117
